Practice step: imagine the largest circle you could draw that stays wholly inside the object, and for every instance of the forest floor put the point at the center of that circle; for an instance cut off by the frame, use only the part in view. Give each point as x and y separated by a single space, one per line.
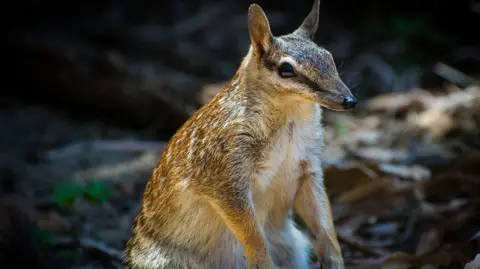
403 173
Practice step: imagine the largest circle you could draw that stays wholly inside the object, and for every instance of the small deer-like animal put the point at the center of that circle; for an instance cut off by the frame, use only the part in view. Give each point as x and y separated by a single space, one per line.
223 193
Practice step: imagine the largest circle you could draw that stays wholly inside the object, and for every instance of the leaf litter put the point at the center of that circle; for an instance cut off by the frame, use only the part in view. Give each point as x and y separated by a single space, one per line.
405 186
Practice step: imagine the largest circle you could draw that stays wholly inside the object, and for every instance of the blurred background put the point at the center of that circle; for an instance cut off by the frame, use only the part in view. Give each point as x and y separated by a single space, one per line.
93 91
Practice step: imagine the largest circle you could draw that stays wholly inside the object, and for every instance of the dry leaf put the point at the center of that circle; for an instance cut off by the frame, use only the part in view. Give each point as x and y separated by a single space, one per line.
341 177
378 154
436 121
439 117
392 102
364 191
415 172
361 137
401 260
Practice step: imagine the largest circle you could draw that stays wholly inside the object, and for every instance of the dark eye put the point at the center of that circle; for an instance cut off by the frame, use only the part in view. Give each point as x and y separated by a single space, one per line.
286 70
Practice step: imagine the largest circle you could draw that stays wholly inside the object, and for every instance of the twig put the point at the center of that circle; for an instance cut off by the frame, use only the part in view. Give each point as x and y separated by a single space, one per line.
454 75
103 145
144 162
357 244
115 255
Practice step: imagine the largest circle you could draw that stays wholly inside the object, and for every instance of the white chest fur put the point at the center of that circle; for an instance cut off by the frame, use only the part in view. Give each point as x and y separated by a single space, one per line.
294 143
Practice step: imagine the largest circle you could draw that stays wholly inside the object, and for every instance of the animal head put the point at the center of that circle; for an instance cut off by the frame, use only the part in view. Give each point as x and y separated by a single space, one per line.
293 65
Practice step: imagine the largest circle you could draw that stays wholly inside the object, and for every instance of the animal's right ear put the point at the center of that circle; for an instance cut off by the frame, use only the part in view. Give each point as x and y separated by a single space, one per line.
259 29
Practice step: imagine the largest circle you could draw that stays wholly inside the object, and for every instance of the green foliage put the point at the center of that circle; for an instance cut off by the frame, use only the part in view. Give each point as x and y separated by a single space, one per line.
97 192
67 193
43 237
94 192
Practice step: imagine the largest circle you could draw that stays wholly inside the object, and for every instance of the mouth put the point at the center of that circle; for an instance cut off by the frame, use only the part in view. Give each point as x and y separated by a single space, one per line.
336 102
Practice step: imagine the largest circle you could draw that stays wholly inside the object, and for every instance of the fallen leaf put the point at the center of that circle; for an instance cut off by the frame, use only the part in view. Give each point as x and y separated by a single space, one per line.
415 172
392 102
435 121
361 137
383 229
402 260
342 177
383 155
364 191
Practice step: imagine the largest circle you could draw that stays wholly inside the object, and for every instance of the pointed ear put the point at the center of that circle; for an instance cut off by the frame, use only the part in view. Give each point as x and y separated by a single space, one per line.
259 29
310 24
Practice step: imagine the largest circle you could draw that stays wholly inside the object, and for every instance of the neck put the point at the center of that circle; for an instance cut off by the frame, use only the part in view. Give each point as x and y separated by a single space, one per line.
265 107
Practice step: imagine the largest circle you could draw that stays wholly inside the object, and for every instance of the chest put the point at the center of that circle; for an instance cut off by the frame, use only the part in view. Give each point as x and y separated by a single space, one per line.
297 142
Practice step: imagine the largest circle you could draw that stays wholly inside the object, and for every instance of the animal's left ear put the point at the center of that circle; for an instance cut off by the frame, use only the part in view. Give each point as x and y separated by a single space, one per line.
310 24
259 29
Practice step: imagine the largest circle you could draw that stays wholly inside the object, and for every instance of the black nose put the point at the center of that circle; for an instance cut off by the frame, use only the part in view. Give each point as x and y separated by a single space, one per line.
349 102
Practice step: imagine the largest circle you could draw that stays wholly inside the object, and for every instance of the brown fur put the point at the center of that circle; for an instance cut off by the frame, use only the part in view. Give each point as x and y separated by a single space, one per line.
224 188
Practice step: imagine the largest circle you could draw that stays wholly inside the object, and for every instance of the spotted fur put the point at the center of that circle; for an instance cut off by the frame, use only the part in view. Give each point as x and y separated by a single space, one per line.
228 181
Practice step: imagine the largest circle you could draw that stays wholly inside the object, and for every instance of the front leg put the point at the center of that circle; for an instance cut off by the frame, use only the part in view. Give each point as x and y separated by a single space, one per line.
234 204
313 206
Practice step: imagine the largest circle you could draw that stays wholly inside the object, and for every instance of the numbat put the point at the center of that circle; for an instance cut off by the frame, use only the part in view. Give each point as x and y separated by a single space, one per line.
223 193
